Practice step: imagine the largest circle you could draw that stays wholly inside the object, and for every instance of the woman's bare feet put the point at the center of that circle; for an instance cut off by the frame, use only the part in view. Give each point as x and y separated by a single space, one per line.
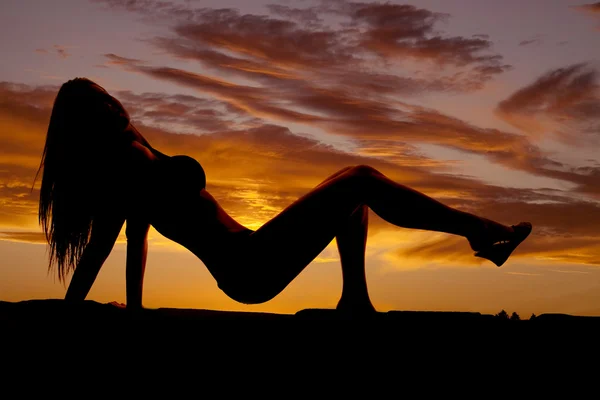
496 242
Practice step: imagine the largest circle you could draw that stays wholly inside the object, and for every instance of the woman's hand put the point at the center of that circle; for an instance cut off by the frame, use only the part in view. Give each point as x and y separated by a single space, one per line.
105 230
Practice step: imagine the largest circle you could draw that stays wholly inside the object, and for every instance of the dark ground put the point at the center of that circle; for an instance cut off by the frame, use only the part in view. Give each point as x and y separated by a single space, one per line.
50 337
38 313
65 318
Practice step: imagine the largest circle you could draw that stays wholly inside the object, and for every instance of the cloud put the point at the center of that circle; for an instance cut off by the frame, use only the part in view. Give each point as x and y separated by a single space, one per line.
294 43
448 249
562 234
115 60
536 40
28 237
403 30
592 8
189 114
339 110
224 63
327 76
367 119
60 50
280 41
564 101
24 115
528 42
393 30
309 16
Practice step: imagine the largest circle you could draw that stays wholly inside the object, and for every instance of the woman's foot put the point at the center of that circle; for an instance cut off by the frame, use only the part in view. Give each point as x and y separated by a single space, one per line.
497 243
356 308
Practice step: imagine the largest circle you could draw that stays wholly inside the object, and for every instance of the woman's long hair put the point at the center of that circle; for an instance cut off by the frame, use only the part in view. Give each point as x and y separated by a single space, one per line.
83 134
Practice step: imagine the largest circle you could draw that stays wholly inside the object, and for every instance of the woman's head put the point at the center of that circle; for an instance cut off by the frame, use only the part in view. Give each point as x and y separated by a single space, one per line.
84 130
84 114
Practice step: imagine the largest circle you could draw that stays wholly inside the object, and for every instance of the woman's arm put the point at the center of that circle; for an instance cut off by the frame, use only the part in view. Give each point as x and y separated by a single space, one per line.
137 249
105 230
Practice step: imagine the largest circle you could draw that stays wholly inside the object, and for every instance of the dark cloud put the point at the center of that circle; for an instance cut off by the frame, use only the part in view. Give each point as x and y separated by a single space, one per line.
298 43
565 101
393 30
280 41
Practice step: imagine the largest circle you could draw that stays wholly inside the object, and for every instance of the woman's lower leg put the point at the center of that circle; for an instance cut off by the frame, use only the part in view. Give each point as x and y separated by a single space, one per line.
408 208
351 241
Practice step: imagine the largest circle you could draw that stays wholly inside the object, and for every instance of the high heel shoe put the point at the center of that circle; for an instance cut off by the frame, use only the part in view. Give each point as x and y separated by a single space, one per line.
499 252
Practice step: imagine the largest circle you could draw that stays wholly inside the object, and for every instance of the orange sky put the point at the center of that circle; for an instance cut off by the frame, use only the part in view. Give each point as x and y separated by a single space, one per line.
483 105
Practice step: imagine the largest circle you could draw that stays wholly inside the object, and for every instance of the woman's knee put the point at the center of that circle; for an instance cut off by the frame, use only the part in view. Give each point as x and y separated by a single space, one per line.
361 176
363 170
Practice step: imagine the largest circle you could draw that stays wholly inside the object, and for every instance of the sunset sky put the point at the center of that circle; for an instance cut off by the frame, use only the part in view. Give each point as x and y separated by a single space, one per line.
489 106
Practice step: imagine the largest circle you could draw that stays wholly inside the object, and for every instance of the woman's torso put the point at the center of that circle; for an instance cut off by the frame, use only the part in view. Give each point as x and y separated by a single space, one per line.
170 193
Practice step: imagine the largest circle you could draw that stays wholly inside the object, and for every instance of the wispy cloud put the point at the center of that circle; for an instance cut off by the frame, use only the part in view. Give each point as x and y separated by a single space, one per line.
27 237
371 119
533 41
591 9
57 49
564 101
564 271
114 59
300 68
298 41
521 273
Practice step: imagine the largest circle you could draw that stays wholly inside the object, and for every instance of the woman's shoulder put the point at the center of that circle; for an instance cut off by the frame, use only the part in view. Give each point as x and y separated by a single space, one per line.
140 153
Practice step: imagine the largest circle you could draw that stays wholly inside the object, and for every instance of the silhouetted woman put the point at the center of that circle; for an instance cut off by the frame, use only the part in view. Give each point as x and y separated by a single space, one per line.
100 173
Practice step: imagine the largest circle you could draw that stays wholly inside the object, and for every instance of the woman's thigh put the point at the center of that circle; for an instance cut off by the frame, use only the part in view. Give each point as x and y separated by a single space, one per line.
278 251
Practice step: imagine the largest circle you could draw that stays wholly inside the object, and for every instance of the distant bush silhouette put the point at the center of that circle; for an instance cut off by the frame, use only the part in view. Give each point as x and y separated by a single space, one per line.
533 316
503 315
